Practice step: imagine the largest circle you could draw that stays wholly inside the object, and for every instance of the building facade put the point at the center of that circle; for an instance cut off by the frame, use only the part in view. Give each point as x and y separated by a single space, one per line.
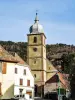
15 77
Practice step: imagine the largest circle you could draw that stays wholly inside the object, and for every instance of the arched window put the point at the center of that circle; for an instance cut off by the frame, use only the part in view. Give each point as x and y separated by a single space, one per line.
35 39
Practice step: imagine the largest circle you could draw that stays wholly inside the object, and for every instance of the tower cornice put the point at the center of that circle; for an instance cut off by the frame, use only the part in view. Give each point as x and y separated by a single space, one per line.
37 34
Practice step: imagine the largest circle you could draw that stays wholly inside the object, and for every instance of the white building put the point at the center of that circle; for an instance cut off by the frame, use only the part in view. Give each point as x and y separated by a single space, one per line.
15 77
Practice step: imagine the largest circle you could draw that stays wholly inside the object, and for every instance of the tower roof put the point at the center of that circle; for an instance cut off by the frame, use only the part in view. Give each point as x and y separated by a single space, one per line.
36 18
36 27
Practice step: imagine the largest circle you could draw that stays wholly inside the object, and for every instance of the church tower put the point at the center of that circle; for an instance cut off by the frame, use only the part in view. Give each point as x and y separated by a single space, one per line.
36 55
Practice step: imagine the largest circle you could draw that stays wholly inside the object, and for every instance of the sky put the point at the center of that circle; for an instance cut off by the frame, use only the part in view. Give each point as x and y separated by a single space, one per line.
56 16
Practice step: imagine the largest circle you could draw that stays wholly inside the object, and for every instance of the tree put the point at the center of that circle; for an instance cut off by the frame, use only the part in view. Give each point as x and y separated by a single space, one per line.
68 61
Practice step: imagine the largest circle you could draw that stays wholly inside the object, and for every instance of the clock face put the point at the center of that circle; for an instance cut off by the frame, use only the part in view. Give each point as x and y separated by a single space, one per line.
35 49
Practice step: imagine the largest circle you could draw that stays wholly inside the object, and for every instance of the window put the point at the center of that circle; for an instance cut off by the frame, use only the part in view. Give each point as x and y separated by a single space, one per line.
34 61
28 82
21 81
20 91
30 93
34 75
24 71
16 70
35 39
35 49
4 68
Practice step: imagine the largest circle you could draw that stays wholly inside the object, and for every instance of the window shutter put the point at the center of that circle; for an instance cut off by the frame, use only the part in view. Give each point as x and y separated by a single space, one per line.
28 82
21 81
4 68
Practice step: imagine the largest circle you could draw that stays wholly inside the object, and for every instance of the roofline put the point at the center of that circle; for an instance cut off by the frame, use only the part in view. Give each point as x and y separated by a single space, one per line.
12 61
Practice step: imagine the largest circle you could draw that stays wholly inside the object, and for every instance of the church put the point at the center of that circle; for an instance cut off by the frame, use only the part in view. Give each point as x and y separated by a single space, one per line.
45 74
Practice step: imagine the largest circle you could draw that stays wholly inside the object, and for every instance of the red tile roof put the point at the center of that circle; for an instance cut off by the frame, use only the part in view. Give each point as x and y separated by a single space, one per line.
5 56
62 77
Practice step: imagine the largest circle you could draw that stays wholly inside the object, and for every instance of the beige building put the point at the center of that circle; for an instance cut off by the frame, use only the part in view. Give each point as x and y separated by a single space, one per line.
41 68
15 77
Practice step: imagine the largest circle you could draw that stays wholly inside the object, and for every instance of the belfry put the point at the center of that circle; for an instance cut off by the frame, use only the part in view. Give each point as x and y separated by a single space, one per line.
36 55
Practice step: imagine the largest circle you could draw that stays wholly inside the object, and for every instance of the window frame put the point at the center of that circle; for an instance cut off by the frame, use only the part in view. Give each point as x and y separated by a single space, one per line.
35 40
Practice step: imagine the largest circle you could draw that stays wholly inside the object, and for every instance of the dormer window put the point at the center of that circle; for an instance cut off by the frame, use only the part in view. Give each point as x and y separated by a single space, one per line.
35 39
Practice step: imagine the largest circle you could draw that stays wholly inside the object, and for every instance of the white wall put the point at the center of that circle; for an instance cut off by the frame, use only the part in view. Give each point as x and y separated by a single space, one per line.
12 80
26 77
20 75
8 78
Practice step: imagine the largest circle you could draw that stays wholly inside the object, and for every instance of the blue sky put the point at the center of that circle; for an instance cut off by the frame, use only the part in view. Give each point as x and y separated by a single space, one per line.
56 16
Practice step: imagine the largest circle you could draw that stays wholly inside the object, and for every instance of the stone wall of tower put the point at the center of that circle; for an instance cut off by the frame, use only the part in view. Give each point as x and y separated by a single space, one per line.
37 59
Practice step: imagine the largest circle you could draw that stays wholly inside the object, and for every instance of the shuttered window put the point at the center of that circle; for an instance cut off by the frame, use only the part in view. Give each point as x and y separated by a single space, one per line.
28 82
4 67
21 81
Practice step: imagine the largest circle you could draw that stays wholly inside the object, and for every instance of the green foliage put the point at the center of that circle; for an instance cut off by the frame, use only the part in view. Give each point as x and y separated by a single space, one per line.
67 62
69 67
62 91
51 50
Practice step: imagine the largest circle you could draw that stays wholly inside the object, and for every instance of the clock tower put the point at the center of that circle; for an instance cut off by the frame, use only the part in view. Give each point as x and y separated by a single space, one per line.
36 55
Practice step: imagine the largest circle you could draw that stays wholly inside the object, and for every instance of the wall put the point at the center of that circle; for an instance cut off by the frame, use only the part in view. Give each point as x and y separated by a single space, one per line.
26 77
8 81
31 38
